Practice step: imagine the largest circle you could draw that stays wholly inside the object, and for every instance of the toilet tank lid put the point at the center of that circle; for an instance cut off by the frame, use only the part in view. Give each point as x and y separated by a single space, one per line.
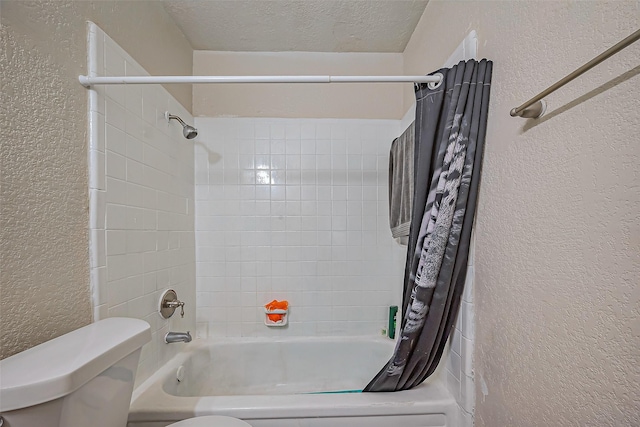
62 365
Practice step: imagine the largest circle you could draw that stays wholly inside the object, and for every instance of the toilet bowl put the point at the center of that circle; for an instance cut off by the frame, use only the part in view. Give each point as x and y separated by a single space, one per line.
83 378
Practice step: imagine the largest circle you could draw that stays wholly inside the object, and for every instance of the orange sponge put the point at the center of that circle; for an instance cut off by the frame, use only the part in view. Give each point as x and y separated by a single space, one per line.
275 317
276 305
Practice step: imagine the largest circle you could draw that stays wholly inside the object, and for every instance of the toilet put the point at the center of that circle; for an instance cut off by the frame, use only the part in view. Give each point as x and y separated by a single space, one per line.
83 378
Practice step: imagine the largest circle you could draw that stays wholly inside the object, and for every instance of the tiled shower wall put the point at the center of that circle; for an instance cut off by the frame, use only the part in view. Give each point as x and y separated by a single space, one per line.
459 360
295 209
141 201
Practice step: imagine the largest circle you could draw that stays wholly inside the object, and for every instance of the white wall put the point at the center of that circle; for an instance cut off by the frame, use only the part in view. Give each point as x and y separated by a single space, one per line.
557 237
295 209
141 202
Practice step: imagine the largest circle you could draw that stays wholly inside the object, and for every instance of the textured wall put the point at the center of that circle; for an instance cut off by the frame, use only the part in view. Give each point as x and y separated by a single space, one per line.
344 100
43 199
558 227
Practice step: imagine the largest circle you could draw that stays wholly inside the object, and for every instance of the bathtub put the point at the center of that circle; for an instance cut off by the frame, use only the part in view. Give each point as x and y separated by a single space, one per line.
301 382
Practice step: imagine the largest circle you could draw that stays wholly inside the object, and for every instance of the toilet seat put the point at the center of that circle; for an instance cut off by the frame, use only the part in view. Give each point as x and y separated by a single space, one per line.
210 421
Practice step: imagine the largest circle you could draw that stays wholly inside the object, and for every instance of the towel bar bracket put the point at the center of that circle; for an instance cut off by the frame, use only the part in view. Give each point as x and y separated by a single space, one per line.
533 111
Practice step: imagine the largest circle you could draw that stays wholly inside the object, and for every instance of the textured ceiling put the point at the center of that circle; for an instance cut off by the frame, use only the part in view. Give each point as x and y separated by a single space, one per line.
302 25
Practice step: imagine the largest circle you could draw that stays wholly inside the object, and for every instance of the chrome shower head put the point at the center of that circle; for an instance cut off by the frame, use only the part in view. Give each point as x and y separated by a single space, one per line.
188 131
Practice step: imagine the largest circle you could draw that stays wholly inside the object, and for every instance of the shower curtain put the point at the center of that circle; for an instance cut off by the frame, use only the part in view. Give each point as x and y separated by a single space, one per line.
450 128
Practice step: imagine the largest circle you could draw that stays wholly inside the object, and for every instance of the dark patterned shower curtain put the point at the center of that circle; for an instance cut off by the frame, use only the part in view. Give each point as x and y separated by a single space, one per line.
450 129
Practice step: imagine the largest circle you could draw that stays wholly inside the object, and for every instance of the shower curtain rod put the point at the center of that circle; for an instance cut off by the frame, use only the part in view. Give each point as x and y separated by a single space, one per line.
88 81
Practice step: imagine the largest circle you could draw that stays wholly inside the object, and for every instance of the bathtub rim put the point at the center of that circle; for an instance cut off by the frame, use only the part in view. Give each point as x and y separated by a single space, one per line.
150 402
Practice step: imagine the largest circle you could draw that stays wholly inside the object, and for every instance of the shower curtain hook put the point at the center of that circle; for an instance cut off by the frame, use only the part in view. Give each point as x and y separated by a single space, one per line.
436 85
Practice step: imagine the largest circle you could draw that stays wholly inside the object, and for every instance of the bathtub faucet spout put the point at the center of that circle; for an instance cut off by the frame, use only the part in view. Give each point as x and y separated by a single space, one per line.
177 337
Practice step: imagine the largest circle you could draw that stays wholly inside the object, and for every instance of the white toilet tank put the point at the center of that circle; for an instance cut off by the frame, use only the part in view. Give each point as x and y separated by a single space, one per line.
83 378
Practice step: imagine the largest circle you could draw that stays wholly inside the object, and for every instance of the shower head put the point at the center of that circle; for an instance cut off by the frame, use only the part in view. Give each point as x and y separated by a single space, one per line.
188 131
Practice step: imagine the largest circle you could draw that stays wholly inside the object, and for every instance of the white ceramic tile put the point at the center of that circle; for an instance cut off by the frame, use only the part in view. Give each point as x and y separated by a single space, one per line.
453 364
455 341
466 315
466 354
98 285
465 419
97 209
467 393
295 218
468 287
116 165
134 261
453 385
100 312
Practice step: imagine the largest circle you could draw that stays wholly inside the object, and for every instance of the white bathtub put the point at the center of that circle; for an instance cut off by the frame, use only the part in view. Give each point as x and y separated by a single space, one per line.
272 383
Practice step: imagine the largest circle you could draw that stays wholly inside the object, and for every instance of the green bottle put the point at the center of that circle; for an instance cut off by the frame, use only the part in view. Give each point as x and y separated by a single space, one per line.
393 310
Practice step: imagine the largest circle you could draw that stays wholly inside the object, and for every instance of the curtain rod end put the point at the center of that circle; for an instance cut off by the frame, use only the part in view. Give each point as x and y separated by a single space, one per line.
84 81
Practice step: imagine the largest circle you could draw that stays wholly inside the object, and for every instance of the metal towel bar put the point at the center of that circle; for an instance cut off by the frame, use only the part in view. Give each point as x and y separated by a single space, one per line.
536 106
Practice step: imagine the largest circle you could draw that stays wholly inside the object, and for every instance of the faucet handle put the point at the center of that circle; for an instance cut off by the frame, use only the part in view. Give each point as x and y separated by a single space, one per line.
175 304
169 302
